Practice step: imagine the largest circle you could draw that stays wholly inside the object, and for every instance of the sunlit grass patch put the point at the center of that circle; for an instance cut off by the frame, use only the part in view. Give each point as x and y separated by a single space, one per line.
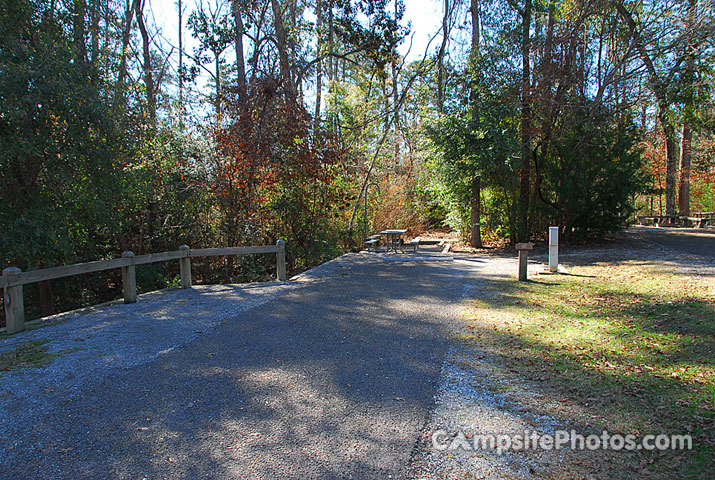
632 342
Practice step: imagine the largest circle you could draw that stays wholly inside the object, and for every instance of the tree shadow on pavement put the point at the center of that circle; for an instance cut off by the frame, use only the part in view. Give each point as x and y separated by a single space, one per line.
332 379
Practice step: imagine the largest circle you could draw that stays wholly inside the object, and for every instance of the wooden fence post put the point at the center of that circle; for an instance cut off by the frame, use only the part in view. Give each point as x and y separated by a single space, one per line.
281 260
129 280
185 267
14 306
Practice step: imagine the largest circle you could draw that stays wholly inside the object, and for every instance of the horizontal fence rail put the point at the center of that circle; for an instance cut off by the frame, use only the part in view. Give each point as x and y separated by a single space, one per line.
13 278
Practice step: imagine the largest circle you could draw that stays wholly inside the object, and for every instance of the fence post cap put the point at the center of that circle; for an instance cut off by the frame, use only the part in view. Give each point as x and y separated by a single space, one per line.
184 247
128 253
281 242
11 271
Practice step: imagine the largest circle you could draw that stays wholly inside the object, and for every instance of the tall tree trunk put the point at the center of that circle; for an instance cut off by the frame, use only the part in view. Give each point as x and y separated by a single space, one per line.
240 61
331 73
219 93
543 94
95 15
79 8
473 55
147 66
440 57
685 159
547 75
688 115
395 101
671 160
290 34
386 99
258 25
282 44
476 25
181 66
659 89
599 61
126 37
318 63
525 128
476 240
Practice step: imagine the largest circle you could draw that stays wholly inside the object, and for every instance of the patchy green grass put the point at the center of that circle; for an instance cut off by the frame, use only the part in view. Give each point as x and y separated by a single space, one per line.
30 354
625 347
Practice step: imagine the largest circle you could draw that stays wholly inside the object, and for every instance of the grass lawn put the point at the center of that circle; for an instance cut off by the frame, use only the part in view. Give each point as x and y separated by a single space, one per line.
627 347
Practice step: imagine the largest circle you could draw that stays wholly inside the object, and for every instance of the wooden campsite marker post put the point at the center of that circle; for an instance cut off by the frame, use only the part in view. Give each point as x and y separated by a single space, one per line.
523 249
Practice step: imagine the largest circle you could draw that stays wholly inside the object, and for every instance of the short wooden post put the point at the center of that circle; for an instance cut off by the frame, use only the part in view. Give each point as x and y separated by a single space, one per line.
14 305
523 249
281 260
185 267
129 280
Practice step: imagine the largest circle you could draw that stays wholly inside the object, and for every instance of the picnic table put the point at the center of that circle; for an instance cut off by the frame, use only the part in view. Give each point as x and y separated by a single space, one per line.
700 220
394 238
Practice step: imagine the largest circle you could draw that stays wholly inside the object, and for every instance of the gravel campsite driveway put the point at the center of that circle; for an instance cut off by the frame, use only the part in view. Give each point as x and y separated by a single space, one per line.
694 241
343 372
331 375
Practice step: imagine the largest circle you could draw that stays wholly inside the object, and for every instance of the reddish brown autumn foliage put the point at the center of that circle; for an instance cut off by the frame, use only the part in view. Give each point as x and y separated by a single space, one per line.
273 175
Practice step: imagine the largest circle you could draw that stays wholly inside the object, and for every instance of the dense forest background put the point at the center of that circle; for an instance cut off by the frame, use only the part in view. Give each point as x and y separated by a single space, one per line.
518 115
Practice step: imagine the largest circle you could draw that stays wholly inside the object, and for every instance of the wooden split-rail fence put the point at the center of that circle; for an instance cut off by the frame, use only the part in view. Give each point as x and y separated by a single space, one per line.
13 278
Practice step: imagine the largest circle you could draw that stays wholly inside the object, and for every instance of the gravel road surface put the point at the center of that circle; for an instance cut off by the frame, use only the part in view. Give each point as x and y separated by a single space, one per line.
331 375
696 241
